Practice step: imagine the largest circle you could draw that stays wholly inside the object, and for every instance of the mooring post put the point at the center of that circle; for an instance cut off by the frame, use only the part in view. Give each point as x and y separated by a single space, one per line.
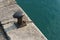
19 16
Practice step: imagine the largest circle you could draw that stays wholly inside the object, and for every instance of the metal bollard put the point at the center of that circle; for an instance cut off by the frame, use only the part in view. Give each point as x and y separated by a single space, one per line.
19 16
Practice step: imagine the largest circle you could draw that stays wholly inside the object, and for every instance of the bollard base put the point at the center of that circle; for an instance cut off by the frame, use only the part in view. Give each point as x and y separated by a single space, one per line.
20 25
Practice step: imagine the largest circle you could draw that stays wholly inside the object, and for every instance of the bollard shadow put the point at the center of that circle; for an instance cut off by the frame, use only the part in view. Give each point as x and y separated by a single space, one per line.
11 28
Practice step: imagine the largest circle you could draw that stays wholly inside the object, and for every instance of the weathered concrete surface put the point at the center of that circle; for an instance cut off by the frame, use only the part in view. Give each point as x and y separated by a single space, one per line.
29 32
6 2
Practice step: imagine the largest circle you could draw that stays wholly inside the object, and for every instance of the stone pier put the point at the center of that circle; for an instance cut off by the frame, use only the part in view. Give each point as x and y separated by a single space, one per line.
28 32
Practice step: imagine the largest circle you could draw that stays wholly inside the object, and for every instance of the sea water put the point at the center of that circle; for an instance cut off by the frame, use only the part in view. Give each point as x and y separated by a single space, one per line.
45 14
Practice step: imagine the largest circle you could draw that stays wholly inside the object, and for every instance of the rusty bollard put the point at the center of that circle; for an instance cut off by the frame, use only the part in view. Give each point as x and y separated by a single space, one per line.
3 32
19 16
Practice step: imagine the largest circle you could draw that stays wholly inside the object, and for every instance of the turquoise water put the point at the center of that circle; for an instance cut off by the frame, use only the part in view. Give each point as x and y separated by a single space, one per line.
45 14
